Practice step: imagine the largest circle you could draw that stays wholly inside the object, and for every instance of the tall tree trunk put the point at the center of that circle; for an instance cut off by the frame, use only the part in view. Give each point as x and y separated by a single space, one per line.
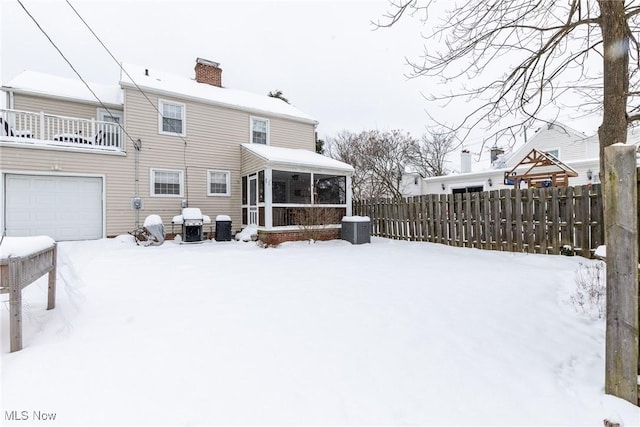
621 358
616 75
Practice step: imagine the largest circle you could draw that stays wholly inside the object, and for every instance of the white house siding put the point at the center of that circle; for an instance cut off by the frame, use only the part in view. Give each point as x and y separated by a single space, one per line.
117 171
56 106
571 144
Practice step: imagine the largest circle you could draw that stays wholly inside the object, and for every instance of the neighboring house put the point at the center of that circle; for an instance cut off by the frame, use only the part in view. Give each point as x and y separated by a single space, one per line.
73 168
571 147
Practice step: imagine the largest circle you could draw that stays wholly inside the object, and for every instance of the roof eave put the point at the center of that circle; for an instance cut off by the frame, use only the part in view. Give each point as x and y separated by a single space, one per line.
58 97
125 84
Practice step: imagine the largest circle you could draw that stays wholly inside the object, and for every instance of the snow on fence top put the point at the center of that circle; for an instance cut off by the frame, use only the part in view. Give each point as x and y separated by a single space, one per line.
24 246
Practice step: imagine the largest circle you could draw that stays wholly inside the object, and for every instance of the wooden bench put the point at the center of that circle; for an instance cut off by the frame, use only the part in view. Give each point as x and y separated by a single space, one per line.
18 272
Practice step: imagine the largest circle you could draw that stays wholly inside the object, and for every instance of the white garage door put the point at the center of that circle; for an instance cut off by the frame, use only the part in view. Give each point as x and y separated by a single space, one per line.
63 207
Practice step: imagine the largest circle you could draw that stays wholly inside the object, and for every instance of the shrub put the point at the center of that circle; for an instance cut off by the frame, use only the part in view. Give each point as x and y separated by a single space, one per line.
590 294
313 222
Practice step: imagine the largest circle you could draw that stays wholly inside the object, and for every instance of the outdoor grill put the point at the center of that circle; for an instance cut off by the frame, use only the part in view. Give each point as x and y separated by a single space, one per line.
192 222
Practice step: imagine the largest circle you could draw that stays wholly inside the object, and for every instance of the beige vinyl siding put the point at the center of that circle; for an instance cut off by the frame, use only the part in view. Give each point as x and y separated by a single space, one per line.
251 163
213 135
117 170
56 106
292 134
213 138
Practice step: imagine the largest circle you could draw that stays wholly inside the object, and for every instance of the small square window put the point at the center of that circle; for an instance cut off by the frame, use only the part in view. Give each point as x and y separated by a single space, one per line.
259 131
172 118
166 182
218 183
555 153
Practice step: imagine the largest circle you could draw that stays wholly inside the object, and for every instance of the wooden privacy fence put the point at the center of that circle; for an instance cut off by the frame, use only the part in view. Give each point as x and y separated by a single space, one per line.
534 220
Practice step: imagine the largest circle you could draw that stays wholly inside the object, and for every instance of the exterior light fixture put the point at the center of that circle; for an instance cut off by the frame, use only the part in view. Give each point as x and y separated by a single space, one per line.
442 186
490 182
589 174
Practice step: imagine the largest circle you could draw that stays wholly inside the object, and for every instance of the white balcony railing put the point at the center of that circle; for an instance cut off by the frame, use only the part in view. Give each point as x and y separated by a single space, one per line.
25 126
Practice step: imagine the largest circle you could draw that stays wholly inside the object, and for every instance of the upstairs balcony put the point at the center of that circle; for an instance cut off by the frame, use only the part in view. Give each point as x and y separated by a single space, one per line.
24 127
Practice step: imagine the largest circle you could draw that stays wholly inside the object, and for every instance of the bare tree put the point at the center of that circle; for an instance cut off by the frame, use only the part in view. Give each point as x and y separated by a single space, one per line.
428 157
380 160
547 46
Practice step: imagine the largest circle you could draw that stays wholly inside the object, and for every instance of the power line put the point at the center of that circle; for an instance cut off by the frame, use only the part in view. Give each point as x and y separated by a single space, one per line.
122 69
74 69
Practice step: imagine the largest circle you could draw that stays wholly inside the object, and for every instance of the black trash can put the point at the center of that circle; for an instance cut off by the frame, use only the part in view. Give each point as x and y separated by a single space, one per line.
223 228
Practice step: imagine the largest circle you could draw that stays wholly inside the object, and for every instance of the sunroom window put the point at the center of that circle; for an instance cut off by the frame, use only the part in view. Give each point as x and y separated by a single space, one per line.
330 189
291 187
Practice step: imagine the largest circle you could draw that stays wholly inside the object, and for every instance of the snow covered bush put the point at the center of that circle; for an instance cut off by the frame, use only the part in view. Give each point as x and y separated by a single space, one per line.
590 294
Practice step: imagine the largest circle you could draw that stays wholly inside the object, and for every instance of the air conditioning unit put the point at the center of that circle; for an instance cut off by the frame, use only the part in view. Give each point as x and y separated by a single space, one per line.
356 229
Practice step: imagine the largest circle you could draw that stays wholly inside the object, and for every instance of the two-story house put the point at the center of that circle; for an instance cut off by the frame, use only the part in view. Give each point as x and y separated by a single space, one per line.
84 164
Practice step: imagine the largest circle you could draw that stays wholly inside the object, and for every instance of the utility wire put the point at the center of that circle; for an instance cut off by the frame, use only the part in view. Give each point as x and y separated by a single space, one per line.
73 68
125 71
143 94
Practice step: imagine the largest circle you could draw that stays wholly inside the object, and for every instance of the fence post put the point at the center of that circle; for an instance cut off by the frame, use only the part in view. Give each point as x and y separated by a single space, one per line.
621 226
51 297
15 304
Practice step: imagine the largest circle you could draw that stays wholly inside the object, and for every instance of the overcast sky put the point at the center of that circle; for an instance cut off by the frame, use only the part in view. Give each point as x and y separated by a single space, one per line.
325 56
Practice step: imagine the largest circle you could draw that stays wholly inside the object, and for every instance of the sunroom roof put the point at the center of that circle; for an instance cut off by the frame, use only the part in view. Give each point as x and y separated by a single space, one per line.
274 156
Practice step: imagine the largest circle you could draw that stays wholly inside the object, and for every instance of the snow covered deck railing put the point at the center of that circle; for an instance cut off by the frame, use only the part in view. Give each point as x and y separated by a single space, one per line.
41 128
22 261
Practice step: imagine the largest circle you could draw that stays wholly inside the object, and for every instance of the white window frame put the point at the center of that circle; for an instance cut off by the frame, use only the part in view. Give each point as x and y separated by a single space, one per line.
554 149
253 119
161 103
152 182
228 179
103 115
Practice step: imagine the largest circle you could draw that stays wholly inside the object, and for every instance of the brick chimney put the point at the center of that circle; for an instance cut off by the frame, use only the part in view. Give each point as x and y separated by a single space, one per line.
208 72
495 152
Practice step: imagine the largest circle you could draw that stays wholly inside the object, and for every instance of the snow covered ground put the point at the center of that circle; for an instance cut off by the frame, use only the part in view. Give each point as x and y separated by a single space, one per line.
327 333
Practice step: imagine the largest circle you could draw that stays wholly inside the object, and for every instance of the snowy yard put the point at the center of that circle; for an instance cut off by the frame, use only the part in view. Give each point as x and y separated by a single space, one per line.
327 333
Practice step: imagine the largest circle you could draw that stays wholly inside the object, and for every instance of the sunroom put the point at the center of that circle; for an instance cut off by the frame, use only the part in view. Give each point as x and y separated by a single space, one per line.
285 190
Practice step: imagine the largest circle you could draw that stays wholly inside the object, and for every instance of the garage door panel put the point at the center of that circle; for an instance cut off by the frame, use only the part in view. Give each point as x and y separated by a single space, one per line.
63 207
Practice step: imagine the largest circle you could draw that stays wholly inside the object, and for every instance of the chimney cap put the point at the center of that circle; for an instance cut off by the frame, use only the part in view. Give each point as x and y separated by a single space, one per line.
207 62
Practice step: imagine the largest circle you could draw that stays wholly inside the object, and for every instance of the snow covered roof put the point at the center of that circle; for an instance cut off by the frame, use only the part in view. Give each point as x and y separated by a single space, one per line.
555 132
184 87
41 84
274 156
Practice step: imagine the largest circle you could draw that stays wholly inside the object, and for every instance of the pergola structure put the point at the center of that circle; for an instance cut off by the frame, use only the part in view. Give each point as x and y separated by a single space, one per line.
540 169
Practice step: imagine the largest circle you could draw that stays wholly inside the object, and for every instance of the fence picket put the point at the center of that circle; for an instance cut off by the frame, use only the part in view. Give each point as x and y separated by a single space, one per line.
530 220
